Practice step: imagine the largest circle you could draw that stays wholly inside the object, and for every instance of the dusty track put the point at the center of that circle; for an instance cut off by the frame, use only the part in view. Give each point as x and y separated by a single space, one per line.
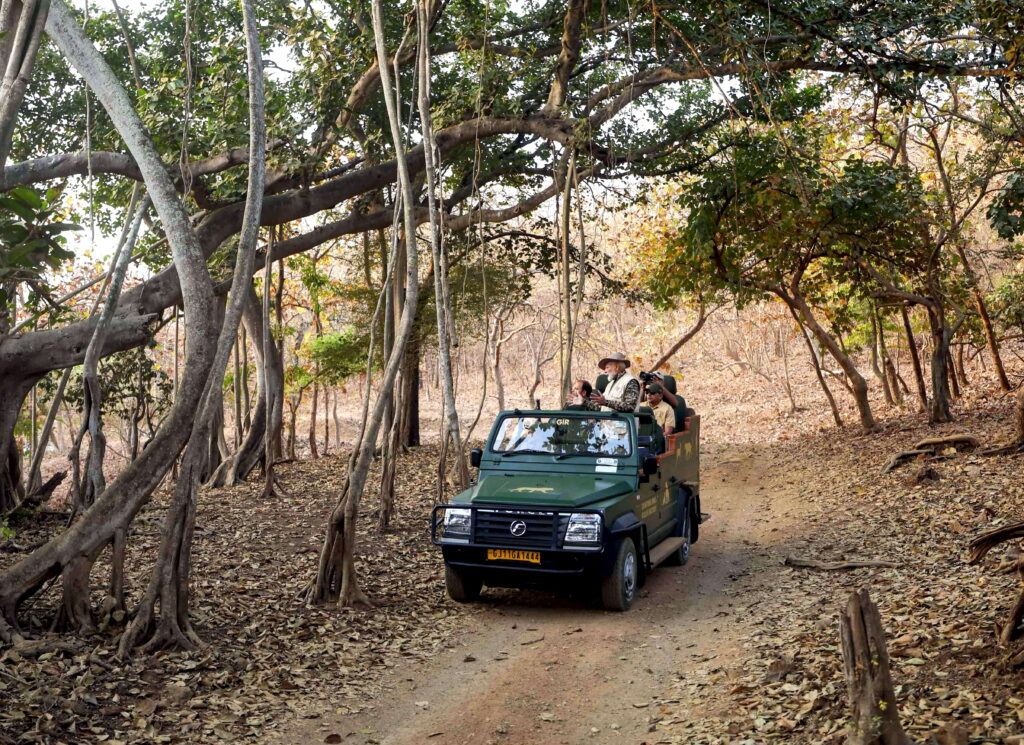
537 668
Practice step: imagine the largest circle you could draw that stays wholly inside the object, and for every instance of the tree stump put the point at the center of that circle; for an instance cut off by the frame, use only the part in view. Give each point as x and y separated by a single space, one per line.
874 716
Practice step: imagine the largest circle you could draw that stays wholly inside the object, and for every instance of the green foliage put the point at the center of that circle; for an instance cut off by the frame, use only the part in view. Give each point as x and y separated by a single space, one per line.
340 355
297 378
1006 212
1008 300
780 215
131 382
31 239
6 531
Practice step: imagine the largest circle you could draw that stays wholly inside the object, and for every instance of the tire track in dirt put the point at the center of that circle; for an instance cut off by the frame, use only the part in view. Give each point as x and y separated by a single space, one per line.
538 669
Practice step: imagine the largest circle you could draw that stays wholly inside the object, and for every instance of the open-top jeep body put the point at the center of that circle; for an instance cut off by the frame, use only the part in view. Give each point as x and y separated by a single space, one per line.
571 497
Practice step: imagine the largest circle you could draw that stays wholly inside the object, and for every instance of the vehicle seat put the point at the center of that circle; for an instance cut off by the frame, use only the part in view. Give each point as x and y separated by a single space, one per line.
683 412
649 431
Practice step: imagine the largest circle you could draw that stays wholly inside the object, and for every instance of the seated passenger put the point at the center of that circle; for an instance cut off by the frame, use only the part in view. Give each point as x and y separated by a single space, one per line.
580 392
623 390
678 404
664 414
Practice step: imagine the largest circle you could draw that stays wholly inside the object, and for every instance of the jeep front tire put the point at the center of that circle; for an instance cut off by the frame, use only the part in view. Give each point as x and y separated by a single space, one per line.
462 586
618 590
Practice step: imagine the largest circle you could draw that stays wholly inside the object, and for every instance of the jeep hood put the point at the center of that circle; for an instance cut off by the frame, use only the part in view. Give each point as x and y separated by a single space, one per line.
544 489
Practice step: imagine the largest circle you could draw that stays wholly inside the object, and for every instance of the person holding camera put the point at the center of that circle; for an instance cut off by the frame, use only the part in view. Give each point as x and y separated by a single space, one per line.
623 390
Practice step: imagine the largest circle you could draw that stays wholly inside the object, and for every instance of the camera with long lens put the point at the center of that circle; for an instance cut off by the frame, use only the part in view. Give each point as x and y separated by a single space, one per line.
647 377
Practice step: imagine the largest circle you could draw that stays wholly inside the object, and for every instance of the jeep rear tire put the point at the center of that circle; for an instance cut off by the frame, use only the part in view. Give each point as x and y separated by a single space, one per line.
618 590
462 587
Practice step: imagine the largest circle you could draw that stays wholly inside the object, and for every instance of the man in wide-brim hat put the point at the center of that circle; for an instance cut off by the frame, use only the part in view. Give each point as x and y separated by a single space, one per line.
623 390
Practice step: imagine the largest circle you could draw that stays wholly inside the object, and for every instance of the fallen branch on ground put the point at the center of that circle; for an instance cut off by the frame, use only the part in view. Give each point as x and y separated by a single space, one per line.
1009 630
905 455
934 442
796 561
985 542
928 449
40 495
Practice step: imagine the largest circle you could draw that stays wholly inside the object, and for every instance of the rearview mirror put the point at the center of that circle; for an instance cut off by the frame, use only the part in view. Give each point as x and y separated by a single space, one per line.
474 457
650 466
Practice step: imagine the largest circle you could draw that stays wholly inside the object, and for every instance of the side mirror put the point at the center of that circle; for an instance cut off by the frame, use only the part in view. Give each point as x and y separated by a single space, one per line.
474 457
650 466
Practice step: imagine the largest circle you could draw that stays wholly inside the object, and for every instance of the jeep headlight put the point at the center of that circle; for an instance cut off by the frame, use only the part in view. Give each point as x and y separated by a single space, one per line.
583 528
457 524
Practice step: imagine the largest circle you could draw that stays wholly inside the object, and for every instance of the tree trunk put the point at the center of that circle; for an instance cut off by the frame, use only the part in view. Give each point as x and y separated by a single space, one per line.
836 416
875 718
313 453
939 410
961 366
1018 416
858 385
887 365
216 446
239 464
915 358
246 402
336 576
169 583
389 470
114 509
337 419
875 368
236 393
21 24
13 392
35 470
496 345
439 253
92 390
293 411
410 397
991 341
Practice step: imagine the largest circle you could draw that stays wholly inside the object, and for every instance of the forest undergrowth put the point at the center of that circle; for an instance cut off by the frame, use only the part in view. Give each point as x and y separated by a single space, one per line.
270 659
267 654
939 612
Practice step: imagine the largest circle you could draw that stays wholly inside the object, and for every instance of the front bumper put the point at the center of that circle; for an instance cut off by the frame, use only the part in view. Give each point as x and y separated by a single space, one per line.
557 561
555 567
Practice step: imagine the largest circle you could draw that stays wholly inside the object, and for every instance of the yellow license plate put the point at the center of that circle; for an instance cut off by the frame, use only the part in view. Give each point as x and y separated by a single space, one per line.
503 554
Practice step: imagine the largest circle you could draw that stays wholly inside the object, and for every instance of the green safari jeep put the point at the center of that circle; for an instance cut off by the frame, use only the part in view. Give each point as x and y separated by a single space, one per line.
577 498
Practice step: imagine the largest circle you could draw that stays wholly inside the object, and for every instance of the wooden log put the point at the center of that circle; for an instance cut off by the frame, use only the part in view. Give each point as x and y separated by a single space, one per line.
874 716
1008 630
934 442
985 542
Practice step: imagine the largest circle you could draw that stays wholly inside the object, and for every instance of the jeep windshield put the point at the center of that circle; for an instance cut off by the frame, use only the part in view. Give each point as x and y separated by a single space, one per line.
563 434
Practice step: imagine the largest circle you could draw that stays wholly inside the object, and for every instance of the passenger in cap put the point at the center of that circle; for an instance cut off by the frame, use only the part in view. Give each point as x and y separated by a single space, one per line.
664 414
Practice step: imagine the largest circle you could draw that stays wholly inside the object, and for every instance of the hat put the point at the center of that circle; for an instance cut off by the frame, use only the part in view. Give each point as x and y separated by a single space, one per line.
654 388
617 357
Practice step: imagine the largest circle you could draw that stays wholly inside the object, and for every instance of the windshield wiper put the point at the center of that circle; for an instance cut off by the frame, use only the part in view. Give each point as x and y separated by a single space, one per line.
588 454
526 452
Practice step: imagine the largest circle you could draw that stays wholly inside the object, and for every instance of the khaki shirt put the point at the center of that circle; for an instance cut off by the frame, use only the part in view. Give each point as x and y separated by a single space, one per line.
664 415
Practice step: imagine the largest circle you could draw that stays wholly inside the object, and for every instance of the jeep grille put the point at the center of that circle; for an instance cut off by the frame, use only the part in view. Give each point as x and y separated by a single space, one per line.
543 529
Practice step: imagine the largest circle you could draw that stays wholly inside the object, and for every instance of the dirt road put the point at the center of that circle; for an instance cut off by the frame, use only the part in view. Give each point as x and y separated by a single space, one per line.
538 669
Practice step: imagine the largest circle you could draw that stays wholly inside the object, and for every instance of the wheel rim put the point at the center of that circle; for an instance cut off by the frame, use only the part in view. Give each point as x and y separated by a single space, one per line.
629 574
